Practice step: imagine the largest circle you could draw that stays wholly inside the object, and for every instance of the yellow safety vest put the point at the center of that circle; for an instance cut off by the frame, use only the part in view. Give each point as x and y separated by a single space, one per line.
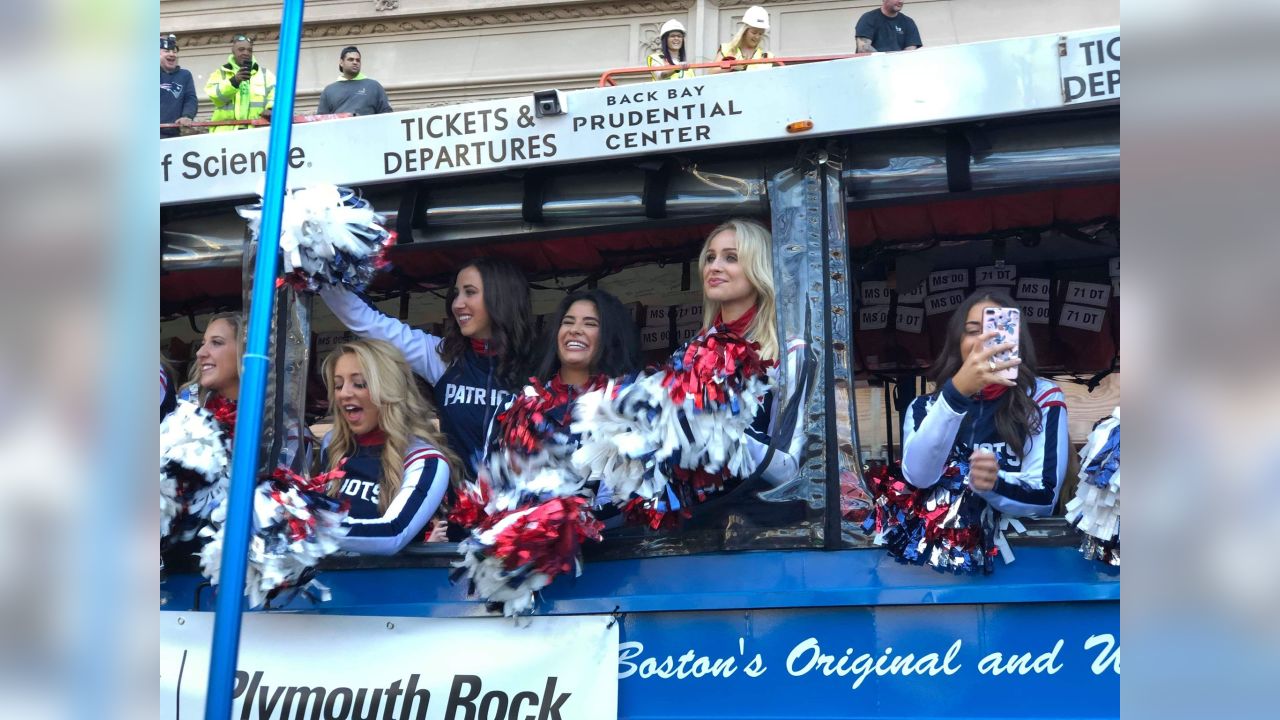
656 60
730 50
239 103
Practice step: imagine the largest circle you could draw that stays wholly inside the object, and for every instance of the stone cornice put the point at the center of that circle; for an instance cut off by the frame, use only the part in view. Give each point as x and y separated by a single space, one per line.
425 23
769 4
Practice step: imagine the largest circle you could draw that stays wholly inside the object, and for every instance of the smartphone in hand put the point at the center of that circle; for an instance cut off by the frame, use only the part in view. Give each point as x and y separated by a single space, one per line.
1007 323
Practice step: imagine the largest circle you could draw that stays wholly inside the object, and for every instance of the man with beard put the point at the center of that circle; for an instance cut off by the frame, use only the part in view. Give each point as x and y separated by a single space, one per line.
886 29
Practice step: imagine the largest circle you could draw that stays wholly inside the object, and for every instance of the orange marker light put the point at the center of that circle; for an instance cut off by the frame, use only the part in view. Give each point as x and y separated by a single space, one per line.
799 126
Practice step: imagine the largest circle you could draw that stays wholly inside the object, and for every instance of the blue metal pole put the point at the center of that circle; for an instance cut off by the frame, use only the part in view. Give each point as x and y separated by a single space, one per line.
253 382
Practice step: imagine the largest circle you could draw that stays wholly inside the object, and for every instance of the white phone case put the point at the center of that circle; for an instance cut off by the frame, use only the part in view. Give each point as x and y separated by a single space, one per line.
1007 323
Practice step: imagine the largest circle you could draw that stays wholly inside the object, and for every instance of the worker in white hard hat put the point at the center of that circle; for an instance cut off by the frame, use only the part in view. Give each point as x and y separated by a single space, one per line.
670 52
747 44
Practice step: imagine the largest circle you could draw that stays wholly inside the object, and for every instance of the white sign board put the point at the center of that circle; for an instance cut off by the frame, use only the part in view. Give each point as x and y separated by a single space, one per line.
1019 75
1088 293
688 314
874 292
655 338
1030 288
1035 311
912 295
909 319
995 275
943 302
1082 317
656 316
1090 67
334 666
873 318
327 341
948 280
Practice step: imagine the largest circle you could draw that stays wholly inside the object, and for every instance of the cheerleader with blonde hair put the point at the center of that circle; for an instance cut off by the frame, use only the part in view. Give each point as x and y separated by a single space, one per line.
396 467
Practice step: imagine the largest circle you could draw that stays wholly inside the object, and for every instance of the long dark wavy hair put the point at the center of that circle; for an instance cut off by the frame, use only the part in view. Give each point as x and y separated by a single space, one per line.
506 299
1017 415
618 348
666 49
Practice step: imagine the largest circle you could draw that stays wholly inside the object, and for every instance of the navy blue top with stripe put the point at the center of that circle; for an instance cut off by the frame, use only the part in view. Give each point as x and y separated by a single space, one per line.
422 487
946 426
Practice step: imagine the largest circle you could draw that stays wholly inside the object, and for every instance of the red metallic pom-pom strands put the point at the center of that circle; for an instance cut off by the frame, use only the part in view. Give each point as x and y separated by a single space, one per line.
712 368
517 553
944 526
547 537
529 512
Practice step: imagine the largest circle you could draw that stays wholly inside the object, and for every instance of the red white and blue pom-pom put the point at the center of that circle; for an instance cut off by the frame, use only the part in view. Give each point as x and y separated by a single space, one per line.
328 236
530 510
295 525
668 439
946 526
529 457
1095 509
194 463
515 554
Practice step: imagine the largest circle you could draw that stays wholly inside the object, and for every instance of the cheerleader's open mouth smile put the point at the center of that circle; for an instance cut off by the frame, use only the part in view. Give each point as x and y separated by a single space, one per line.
575 351
351 396
353 413
579 331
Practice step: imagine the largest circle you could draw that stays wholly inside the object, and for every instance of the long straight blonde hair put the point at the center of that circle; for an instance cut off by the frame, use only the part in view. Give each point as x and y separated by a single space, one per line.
236 321
736 44
755 255
404 415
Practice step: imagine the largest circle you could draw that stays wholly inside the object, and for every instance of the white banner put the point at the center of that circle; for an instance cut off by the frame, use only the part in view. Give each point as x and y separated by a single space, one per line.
1019 75
1090 67
335 666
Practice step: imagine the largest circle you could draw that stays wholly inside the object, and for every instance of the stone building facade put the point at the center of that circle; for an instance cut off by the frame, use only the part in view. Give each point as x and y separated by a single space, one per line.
430 52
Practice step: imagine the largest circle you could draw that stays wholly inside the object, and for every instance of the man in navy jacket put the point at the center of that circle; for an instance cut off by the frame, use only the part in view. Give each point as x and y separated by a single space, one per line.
177 89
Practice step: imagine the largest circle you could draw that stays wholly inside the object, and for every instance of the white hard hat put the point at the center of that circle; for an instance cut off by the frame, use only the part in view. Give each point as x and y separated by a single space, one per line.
672 25
756 17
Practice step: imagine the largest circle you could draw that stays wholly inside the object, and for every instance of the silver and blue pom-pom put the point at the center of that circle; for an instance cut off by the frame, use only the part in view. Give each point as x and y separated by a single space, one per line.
295 525
329 236
1095 510
194 467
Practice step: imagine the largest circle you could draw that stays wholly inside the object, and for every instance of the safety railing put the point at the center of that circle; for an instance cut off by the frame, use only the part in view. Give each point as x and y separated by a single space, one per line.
256 122
608 79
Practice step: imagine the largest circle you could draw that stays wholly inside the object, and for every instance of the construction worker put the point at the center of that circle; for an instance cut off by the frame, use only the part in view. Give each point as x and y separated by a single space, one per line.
746 45
240 89
670 52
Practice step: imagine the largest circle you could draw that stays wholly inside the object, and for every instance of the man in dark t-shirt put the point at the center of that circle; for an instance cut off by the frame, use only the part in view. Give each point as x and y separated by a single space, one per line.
886 29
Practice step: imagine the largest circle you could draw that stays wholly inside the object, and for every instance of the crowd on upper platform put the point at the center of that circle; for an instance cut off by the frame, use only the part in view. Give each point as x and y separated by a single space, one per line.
243 90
